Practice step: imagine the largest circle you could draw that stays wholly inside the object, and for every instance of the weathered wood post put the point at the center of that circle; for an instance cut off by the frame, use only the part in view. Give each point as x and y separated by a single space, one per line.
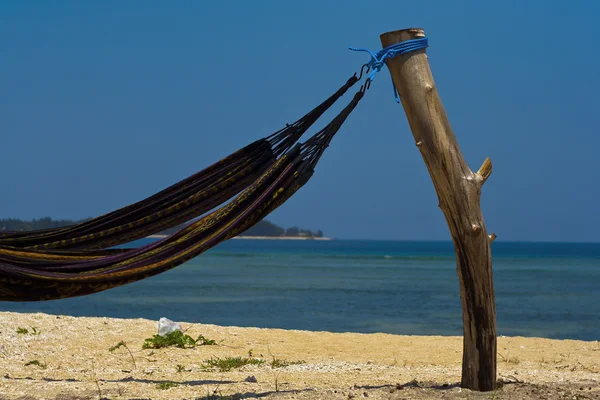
458 189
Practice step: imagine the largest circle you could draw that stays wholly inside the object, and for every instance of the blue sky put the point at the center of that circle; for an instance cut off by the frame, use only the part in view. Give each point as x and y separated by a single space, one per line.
105 103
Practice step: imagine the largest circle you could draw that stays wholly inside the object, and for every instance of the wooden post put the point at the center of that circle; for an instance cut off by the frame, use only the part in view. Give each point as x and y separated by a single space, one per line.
458 189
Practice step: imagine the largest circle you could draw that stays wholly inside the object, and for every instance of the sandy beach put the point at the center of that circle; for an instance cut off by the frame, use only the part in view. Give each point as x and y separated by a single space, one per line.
70 358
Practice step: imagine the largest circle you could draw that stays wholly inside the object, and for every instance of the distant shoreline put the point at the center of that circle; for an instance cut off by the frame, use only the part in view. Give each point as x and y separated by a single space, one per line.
282 238
259 237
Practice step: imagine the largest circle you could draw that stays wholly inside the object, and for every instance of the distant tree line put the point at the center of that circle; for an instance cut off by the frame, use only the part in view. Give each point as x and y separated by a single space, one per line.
262 228
13 224
266 228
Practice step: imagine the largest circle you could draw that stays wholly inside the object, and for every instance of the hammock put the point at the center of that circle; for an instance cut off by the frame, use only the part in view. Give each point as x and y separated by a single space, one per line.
79 260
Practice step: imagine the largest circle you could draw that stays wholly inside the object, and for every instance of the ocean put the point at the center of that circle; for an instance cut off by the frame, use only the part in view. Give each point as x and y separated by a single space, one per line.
547 290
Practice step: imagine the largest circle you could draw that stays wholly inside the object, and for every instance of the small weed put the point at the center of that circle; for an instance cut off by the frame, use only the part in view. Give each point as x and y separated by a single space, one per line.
202 341
95 379
166 385
176 339
217 395
494 393
279 363
43 365
123 344
229 363
116 346
508 359
180 368
582 367
25 331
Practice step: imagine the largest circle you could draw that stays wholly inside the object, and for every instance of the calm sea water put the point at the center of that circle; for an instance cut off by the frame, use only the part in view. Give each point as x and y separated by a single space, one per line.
546 290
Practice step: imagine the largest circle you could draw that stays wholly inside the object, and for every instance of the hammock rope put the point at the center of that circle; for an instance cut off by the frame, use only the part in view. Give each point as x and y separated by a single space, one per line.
379 59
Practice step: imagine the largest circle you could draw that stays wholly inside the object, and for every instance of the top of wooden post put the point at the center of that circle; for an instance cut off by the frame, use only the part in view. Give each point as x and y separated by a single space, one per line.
402 35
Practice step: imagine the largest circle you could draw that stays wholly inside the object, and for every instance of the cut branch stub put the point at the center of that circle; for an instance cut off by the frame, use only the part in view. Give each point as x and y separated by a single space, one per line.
486 169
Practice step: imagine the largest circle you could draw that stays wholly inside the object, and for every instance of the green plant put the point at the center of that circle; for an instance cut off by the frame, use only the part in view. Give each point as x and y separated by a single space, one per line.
176 339
25 331
281 363
229 363
43 365
123 344
166 385
180 368
202 341
116 346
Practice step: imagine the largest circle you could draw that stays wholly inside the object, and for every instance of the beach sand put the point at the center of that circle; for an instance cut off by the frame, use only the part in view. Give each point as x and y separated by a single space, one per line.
75 363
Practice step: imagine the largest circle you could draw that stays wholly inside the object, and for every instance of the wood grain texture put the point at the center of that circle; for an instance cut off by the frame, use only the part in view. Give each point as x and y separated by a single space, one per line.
458 189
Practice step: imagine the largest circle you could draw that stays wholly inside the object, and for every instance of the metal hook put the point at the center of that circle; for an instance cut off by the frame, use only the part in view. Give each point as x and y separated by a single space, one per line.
366 85
363 71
